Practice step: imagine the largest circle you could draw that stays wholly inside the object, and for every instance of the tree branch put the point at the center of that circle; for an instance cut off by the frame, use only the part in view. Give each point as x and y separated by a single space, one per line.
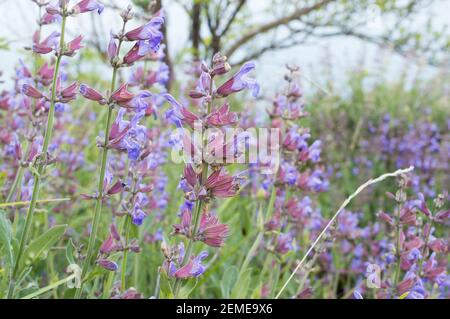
274 24
232 17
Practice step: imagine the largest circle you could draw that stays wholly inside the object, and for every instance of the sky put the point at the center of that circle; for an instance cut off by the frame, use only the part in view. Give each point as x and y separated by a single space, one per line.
343 54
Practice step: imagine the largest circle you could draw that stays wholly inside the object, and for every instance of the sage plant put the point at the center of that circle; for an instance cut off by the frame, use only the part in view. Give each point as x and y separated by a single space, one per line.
53 43
120 135
199 185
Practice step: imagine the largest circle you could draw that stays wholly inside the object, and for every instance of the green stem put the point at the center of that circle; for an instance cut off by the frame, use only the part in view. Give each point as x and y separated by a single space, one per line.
98 203
41 165
190 247
424 249
398 248
198 204
16 182
136 271
125 253
20 170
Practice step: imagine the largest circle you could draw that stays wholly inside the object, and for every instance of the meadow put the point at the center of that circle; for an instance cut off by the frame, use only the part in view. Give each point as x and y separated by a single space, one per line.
119 182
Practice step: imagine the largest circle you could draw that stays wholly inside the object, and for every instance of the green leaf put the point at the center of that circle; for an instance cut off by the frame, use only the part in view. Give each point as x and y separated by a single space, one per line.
70 252
42 244
187 289
228 280
5 236
165 287
240 290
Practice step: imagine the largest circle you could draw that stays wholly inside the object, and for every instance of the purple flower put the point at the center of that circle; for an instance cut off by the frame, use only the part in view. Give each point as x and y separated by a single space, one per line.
138 51
137 213
73 46
138 216
48 44
193 268
417 291
414 255
203 86
31 91
122 96
107 264
141 101
69 93
112 47
92 94
222 116
127 135
284 243
88 5
48 18
149 32
314 151
179 114
317 181
239 82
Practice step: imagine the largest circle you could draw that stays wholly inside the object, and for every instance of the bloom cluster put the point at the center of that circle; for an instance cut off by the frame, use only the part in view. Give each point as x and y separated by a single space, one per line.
411 264
300 171
35 89
205 178
127 135
421 144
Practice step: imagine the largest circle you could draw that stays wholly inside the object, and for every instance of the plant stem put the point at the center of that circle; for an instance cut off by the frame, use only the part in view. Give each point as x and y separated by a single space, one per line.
127 225
125 253
198 203
17 180
20 170
42 163
398 247
99 200
424 250
190 247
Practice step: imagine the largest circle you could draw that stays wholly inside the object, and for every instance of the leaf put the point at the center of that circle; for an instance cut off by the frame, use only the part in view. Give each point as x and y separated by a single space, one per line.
249 255
5 236
23 203
165 288
241 288
228 280
42 244
70 252
187 289
48 288
271 205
